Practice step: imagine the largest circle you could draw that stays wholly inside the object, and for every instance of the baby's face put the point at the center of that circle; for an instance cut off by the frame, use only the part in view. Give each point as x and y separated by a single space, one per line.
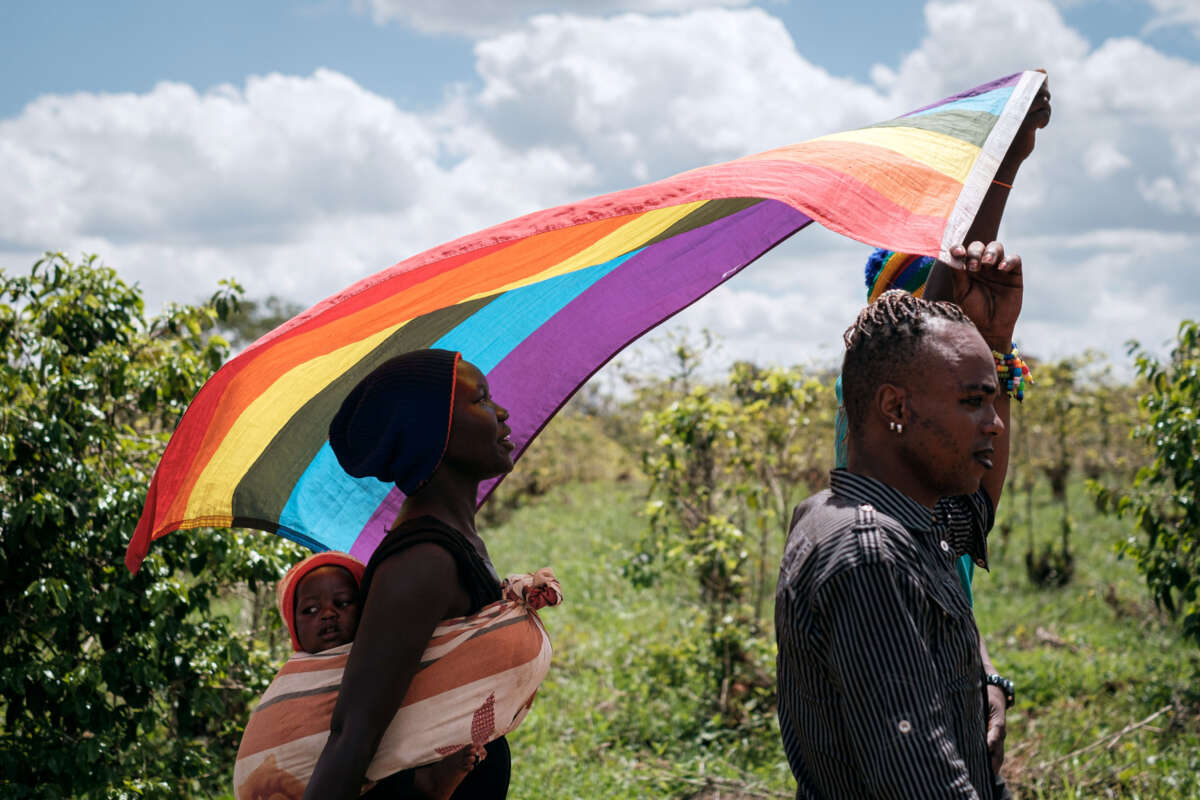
326 608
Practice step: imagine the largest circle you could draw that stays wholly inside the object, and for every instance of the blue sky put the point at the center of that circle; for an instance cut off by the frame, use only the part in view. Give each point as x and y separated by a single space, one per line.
123 46
300 146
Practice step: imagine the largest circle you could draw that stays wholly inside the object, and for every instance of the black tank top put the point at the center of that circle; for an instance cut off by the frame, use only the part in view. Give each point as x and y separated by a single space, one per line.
489 780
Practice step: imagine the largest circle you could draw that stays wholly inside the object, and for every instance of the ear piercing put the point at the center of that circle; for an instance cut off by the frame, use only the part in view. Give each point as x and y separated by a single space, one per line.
898 427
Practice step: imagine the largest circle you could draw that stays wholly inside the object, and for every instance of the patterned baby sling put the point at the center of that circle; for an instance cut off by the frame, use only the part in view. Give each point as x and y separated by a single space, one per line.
475 683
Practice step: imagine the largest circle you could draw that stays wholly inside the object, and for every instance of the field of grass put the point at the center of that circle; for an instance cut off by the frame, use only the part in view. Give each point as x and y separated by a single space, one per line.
1095 662
1108 703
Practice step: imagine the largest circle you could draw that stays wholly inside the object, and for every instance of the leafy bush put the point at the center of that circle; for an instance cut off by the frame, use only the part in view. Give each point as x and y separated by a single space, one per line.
573 447
727 462
1165 494
111 684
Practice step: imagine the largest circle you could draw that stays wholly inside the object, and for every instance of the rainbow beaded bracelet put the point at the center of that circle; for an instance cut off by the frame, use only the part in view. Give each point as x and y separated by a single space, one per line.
1013 373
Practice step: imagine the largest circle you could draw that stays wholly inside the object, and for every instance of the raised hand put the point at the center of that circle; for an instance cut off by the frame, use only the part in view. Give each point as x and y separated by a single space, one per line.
989 290
1023 142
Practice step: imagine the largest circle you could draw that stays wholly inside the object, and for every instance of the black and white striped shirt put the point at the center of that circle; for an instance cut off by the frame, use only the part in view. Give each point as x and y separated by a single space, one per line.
880 677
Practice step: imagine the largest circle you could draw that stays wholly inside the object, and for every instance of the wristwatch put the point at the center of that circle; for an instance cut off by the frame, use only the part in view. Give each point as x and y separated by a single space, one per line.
1005 685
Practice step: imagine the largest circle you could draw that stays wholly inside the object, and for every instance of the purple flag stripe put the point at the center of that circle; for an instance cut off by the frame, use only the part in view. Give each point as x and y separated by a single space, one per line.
634 298
1007 80
377 526
543 371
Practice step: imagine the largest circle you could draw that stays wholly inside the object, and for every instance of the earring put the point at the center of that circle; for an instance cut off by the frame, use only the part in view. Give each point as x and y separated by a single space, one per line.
899 428
892 425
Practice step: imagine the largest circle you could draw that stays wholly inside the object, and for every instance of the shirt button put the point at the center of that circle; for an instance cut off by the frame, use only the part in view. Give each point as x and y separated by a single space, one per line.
905 726
945 546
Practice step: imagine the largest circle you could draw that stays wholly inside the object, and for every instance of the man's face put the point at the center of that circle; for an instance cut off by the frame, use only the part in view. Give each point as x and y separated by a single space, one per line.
951 412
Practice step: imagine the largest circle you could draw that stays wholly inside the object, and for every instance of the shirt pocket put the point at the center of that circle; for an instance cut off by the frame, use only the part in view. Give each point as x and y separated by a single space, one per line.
952 635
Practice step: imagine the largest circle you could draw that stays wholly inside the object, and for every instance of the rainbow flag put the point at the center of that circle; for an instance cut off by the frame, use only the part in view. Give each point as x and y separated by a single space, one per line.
543 301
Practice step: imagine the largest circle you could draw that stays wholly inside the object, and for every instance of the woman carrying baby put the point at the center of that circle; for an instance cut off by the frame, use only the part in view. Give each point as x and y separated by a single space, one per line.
425 421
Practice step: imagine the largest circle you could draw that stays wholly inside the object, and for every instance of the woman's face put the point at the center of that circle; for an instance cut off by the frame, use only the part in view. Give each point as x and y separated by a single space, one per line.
479 443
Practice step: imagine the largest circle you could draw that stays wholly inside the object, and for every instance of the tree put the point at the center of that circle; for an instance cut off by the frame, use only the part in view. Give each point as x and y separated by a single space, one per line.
111 684
692 513
725 459
785 451
1055 422
1165 494
250 319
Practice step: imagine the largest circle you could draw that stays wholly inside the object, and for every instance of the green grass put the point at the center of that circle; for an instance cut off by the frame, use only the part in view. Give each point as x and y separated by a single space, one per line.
617 716
1091 659
586 736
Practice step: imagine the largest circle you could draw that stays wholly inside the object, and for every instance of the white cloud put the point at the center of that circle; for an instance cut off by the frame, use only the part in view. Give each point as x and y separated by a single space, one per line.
172 160
968 42
1171 13
671 93
1103 159
300 185
1129 77
296 186
791 307
1098 289
477 18
1162 192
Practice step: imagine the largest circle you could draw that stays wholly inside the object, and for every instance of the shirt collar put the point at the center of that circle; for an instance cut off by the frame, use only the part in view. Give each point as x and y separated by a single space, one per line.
894 503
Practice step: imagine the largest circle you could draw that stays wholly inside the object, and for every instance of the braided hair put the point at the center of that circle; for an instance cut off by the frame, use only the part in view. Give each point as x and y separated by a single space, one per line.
883 343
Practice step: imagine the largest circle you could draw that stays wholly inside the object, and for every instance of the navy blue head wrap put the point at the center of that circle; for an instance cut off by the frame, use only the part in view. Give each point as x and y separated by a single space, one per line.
395 423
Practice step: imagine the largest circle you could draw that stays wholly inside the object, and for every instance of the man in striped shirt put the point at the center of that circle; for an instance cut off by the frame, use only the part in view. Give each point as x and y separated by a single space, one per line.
881 681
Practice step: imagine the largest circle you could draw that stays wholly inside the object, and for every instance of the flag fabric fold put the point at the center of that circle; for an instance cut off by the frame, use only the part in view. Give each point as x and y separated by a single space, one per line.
543 301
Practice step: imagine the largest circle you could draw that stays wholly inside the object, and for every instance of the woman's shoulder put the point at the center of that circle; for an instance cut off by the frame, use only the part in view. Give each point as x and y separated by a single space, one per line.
421 540
426 523
428 533
420 531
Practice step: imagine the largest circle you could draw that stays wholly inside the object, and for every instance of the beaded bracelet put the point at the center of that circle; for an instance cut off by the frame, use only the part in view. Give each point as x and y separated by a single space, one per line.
1012 372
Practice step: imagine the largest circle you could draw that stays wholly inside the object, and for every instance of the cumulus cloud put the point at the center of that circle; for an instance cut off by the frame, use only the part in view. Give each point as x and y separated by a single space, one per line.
477 18
650 97
1100 289
295 185
300 185
1102 159
175 160
789 308
967 40
1171 13
1163 192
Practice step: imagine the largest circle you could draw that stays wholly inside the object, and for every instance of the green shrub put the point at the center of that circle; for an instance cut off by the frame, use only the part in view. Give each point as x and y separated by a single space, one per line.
111 684
1165 497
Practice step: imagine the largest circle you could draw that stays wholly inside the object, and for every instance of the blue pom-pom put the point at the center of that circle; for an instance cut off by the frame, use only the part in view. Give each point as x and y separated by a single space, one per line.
875 266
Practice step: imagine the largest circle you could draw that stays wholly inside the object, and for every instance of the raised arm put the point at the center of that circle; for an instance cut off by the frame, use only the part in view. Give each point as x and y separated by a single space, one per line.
990 291
411 592
942 286
985 274
986 227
